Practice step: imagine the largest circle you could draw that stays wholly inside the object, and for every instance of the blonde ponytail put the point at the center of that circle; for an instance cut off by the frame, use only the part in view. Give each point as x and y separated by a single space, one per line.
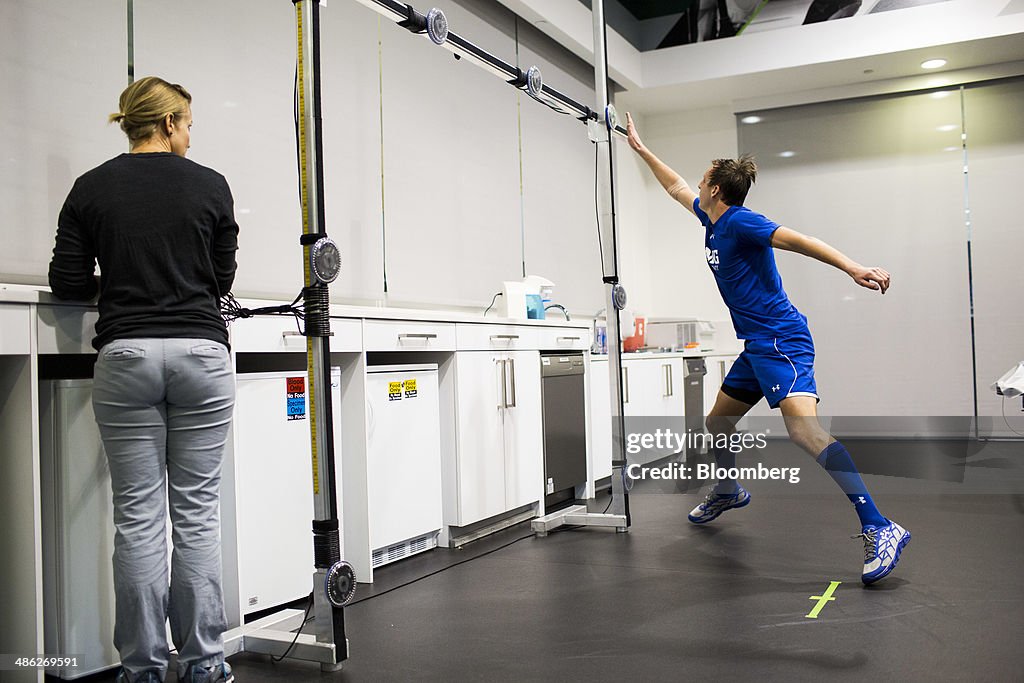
145 103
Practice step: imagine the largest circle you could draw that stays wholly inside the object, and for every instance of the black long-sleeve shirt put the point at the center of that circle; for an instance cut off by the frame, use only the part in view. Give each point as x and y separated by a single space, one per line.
163 230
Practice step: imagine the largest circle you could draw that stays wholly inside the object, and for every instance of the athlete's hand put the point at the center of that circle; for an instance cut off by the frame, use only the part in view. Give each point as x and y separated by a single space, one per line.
872 278
632 135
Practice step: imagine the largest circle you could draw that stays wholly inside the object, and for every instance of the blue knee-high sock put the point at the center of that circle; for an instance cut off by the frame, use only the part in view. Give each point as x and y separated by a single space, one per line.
725 458
840 467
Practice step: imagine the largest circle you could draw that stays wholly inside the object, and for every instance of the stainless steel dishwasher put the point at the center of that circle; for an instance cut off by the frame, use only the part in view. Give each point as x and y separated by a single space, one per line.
565 426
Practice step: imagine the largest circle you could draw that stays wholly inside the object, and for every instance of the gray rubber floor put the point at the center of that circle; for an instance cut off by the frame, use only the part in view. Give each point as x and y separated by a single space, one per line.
672 601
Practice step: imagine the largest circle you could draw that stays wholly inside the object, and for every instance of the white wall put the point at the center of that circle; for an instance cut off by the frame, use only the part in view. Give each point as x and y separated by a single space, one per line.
56 90
882 180
434 168
680 282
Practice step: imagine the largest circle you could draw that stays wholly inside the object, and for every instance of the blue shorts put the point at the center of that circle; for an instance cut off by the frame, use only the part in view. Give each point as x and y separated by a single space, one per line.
773 368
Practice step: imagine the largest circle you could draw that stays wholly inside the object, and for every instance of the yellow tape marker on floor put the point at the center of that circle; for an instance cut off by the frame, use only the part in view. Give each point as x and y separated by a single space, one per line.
823 599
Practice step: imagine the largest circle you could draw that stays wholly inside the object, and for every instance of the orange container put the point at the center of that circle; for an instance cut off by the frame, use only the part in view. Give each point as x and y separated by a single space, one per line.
639 338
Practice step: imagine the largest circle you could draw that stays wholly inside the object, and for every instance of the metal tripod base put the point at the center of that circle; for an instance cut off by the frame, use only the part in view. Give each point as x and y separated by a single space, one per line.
273 634
577 515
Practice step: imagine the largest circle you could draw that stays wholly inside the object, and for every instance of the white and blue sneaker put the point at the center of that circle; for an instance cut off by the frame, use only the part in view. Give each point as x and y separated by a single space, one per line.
717 503
218 673
882 548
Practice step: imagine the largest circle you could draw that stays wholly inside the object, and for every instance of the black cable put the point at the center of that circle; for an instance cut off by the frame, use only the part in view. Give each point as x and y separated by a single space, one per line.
305 618
493 299
550 106
231 310
597 208
559 307
468 559
438 571
1007 421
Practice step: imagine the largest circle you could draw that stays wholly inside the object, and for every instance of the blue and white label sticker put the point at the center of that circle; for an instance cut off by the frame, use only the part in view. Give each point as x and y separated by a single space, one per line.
296 398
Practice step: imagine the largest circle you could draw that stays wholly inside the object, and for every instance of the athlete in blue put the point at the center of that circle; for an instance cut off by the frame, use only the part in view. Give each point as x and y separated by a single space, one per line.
777 362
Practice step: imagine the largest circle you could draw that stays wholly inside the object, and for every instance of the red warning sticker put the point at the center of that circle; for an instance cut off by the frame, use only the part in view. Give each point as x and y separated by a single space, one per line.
296 385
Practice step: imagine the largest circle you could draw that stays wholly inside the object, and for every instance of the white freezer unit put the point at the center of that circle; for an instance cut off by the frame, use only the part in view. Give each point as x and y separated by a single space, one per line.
274 487
78 530
394 511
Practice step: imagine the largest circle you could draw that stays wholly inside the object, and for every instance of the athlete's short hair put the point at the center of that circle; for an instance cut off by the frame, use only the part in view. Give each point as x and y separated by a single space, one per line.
734 178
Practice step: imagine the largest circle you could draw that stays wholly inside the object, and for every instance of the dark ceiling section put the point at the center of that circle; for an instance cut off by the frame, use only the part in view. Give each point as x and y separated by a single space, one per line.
652 9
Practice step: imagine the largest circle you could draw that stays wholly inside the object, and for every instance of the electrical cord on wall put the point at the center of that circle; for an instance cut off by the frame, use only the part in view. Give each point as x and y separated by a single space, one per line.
559 307
597 210
493 299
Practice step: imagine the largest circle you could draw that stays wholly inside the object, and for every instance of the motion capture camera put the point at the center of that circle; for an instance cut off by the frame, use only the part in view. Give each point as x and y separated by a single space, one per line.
531 81
340 584
433 23
325 260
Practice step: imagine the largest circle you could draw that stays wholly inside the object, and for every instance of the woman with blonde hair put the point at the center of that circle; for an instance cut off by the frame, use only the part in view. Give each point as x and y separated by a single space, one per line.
162 229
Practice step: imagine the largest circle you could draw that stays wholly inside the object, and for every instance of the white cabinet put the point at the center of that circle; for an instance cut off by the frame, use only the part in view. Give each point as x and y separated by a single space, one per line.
600 419
652 387
523 431
652 393
499 445
15 322
718 367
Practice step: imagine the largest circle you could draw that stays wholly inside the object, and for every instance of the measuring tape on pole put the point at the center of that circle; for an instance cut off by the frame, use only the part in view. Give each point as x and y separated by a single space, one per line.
307 274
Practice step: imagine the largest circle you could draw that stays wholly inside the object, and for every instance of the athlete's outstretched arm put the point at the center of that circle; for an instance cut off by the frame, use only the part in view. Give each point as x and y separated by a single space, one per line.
791 240
673 183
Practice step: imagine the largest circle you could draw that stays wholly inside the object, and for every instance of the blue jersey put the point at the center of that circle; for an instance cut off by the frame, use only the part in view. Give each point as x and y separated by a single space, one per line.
739 252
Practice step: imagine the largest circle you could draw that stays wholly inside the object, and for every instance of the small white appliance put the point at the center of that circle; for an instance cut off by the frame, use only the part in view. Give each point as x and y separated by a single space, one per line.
403 467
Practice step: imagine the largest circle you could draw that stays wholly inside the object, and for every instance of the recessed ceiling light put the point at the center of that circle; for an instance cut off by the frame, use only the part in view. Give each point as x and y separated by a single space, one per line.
948 127
787 154
751 119
933 64
951 149
940 94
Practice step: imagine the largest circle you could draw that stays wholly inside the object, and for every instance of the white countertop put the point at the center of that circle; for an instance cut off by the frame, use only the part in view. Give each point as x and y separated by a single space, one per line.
693 353
33 294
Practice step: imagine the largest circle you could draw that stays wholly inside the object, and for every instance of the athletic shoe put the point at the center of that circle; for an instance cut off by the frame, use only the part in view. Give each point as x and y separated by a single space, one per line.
219 673
717 503
882 548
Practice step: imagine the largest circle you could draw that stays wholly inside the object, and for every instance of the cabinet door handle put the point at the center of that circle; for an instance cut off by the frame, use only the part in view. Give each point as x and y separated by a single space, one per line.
512 368
504 386
570 339
418 335
667 367
505 337
625 385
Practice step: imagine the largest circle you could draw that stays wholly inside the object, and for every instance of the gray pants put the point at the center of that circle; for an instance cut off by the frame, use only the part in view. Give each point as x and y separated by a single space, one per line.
164 408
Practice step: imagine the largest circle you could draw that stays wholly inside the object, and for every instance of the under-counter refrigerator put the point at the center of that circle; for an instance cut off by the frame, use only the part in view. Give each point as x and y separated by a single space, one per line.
78 531
274 486
402 495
